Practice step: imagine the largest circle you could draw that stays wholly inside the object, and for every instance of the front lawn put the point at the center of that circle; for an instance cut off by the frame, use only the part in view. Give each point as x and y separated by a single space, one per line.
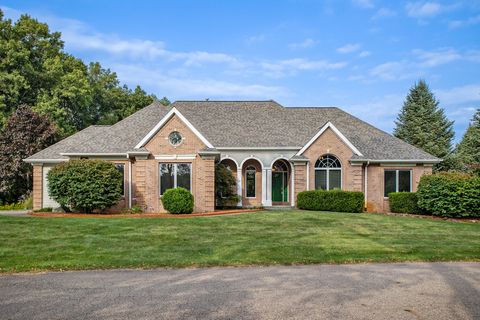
283 237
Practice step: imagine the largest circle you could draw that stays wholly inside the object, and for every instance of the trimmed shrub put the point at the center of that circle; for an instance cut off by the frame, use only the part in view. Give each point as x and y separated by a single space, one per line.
178 200
85 185
450 194
332 200
13 206
404 202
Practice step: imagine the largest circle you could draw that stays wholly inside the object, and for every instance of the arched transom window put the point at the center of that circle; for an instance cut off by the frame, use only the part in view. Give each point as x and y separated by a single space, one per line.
328 173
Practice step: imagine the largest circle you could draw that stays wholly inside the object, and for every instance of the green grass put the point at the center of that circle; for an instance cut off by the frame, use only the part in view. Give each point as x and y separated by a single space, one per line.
283 237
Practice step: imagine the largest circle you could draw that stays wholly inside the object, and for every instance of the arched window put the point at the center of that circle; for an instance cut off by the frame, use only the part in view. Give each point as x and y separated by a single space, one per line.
250 173
328 173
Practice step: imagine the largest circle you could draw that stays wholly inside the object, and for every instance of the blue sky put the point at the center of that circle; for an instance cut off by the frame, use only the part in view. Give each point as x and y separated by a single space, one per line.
360 55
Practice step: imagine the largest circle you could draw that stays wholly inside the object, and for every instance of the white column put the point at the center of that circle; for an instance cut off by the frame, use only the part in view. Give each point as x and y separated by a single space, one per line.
264 187
239 186
308 176
268 185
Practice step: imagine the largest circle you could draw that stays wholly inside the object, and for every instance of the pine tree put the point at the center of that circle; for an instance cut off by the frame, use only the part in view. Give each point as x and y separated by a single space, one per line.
423 123
468 150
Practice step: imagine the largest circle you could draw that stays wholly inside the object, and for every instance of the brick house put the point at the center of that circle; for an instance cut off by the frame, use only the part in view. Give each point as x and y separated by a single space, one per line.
274 152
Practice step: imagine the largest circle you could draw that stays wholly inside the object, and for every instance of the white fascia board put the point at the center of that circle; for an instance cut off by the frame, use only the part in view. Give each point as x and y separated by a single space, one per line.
258 148
167 117
90 154
175 157
398 160
337 132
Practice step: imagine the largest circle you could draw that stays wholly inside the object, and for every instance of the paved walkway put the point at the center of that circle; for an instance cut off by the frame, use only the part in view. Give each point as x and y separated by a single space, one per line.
14 213
368 291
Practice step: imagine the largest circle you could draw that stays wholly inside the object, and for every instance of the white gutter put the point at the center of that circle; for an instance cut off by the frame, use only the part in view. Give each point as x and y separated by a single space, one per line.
258 148
396 161
80 154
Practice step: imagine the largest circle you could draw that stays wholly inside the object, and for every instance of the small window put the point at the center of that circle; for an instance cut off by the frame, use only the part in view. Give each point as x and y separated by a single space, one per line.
328 173
174 175
397 181
250 173
121 168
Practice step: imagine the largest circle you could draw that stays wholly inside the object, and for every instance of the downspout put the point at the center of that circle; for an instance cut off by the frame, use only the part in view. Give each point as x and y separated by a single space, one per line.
129 183
366 184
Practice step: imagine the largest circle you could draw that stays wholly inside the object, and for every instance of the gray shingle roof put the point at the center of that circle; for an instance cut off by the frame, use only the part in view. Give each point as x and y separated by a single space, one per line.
240 124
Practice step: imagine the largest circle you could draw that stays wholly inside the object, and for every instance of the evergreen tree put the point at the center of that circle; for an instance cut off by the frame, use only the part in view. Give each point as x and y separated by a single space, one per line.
423 123
468 150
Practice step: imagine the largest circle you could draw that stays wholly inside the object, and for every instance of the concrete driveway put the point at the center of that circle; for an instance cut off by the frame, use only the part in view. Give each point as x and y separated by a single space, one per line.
369 291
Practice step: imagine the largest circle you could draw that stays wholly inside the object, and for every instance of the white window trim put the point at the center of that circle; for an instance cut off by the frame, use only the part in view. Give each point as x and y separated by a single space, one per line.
164 120
396 180
175 164
254 182
337 132
328 177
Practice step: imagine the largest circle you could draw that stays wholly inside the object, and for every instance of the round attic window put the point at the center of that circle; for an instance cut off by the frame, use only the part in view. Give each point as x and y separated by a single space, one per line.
175 138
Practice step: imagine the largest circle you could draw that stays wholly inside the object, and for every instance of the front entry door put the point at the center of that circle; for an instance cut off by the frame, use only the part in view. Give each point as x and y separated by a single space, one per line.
279 186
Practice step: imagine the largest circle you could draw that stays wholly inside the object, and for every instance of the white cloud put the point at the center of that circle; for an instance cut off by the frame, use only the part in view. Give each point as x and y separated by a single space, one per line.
394 70
423 9
426 9
463 23
307 43
364 3
181 86
435 58
255 39
349 48
383 13
459 95
281 68
364 54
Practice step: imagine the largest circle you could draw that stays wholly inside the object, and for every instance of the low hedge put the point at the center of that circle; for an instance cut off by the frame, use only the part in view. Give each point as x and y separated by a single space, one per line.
450 194
404 202
332 200
178 200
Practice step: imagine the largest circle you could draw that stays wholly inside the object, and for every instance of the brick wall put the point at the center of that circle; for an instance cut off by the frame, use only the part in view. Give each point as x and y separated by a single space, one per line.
37 186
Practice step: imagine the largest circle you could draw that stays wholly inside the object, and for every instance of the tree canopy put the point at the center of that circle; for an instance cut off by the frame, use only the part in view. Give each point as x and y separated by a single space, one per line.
468 150
26 132
422 123
36 71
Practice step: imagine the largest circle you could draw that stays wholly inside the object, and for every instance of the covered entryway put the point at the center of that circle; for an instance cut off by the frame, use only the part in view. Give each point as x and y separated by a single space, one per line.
280 182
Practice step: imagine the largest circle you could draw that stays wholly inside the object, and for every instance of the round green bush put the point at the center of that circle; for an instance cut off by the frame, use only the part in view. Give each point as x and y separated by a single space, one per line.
450 194
178 200
85 185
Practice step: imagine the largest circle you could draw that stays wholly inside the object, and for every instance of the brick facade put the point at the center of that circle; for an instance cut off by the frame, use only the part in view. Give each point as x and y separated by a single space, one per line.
37 186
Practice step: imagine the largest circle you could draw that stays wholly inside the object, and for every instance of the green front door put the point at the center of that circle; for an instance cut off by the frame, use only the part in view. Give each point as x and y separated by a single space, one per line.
279 187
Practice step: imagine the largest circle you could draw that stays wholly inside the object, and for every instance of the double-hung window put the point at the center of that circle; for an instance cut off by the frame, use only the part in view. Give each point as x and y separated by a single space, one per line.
397 181
174 175
250 181
328 173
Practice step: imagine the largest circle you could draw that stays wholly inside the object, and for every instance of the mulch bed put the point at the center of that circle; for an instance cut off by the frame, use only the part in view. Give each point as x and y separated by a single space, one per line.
140 215
424 216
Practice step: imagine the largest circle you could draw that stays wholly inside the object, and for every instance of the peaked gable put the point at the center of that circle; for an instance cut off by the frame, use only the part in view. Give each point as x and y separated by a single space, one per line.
163 121
329 125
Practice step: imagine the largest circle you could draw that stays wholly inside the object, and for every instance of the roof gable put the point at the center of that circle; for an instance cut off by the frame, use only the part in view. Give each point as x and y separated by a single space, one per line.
164 120
337 132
